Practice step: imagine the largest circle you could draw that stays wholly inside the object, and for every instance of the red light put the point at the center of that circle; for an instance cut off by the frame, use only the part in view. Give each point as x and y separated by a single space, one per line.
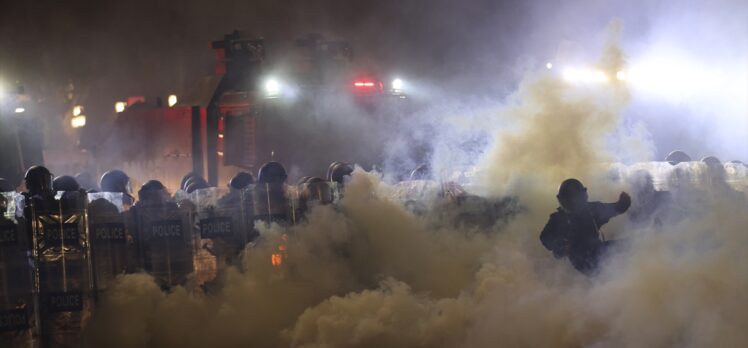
363 84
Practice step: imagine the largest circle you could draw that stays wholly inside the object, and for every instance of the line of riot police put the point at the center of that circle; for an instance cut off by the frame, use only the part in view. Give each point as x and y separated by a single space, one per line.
62 247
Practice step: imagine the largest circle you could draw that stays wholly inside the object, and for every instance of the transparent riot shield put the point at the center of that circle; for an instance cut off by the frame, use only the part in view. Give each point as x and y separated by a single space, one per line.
165 240
63 271
16 301
223 228
315 194
275 203
418 195
112 245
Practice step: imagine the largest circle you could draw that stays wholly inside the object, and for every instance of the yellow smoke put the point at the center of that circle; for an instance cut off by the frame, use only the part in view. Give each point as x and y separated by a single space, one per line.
371 274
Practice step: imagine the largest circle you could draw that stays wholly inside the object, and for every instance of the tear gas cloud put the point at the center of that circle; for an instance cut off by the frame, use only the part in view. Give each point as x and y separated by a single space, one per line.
373 274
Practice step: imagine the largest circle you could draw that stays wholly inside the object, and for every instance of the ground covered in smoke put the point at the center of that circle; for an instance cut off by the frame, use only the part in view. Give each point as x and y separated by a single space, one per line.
369 273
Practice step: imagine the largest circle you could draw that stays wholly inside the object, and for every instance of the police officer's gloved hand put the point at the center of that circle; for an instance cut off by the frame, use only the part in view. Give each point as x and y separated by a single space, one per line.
624 202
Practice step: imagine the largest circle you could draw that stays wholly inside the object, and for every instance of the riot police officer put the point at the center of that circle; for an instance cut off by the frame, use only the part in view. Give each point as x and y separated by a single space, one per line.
241 180
676 157
574 230
338 171
61 255
164 237
117 181
270 194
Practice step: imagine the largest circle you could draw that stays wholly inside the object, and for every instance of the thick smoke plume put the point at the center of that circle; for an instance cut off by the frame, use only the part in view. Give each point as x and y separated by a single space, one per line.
372 274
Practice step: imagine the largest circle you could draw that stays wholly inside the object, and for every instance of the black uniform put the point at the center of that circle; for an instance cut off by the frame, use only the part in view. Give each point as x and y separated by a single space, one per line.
577 235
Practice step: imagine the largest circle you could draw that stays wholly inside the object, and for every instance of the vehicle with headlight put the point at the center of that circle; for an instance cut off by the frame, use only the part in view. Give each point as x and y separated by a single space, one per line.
298 103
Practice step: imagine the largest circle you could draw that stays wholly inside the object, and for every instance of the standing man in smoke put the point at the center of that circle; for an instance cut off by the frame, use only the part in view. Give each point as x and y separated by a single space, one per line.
574 230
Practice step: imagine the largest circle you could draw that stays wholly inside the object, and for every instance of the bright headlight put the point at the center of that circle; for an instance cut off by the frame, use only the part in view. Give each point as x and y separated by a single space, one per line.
397 84
272 87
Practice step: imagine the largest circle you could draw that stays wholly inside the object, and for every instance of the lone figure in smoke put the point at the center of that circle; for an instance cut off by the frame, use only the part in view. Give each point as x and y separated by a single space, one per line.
574 230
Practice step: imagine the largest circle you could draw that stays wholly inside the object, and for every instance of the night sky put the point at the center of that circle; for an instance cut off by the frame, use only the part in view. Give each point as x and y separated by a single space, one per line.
114 49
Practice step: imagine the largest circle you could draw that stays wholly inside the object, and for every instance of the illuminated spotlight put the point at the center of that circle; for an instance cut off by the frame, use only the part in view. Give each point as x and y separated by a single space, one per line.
172 100
549 66
571 75
77 110
272 87
120 106
20 110
621 76
599 76
78 121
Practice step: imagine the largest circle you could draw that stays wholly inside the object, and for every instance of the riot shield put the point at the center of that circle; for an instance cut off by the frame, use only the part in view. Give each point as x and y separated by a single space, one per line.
112 245
418 195
16 301
63 272
316 193
223 230
275 202
165 242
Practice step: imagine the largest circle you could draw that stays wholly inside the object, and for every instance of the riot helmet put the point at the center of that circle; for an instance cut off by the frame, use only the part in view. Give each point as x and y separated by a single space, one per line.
86 181
272 173
338 171
676 157
422 172
38 180
151 190
715 171
303 180
195 179
572 195
5 186
115 181
241 180
65 183
711 161
193 186
317 189
185 178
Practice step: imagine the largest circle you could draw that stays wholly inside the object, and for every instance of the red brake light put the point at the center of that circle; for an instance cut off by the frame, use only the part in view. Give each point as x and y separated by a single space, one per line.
363 84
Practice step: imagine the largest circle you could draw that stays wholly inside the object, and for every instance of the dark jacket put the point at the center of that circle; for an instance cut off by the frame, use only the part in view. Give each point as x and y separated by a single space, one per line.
577 235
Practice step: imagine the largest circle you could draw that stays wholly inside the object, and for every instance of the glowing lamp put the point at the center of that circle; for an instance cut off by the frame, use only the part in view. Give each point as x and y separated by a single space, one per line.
172 100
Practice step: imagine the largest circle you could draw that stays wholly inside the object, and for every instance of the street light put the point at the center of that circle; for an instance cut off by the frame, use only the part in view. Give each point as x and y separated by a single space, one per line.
172 100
